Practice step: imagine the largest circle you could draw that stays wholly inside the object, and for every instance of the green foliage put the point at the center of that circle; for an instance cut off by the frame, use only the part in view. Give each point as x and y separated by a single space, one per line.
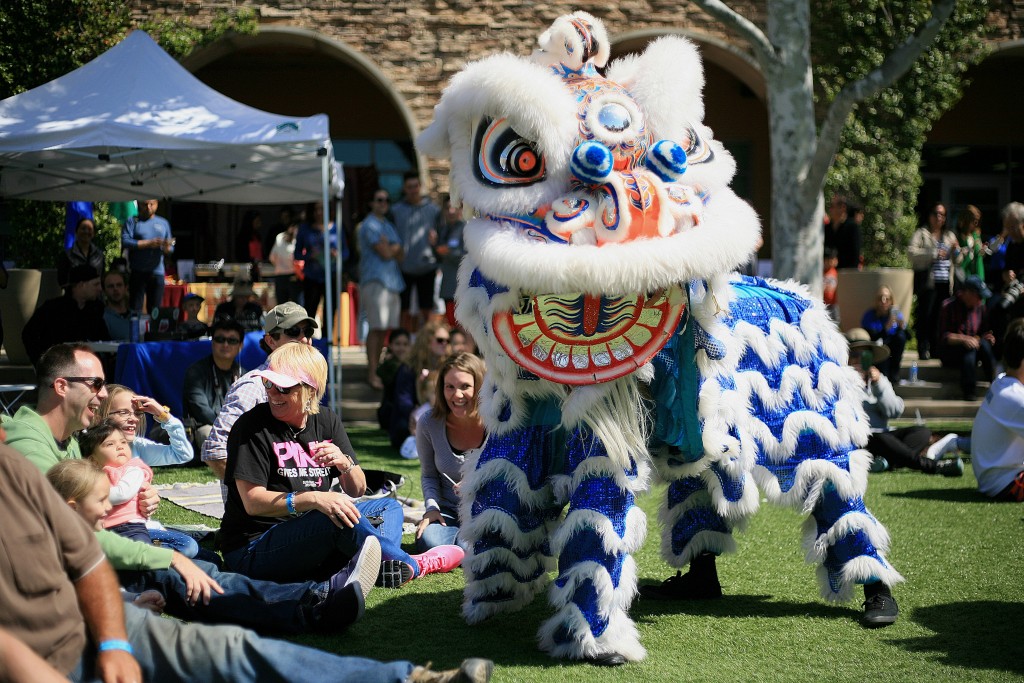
37 233
108 231
41 40
179 37
878 163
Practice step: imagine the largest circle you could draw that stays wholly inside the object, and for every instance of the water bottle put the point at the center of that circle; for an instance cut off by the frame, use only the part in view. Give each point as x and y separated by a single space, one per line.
133 327
913 373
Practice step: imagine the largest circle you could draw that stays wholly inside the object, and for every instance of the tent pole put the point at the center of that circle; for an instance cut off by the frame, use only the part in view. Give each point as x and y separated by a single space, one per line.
325 174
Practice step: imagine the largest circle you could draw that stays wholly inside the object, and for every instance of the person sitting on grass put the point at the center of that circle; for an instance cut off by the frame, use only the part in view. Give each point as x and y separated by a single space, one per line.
426 385
286 608
208 380
106 446
965 335
283 520
997 440
904 447
432 345
885 322
396 353
285 323
71 388
72 624
128 411
445 435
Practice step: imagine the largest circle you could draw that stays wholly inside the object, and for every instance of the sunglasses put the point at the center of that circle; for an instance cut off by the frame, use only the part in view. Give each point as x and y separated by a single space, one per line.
295 332
442 340
231 341
380 199
94 383
268 385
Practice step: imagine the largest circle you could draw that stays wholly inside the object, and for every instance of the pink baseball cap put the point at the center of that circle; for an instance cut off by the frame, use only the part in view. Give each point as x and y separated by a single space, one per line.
286 381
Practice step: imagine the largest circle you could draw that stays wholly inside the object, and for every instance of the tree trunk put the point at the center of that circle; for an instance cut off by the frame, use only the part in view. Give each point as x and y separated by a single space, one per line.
797 235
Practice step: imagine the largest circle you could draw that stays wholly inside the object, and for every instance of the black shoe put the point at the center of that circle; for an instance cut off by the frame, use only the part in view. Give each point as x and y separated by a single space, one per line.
880 608
606 659
689 586
950 468
347 590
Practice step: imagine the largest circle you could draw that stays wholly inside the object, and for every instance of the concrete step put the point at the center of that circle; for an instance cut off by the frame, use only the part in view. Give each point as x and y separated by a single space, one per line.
359 400
930 409
948 390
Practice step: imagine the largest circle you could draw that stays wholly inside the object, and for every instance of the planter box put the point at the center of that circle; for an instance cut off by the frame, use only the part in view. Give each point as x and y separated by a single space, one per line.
26 289
857 290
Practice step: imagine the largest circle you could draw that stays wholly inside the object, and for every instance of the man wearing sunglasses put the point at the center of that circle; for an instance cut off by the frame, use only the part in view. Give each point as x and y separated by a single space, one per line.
208 380
285 323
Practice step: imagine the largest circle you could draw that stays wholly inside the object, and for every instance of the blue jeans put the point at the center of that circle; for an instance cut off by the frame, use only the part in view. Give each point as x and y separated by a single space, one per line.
312 546
169 650
967 361
175 540
436 534
262 605
146 285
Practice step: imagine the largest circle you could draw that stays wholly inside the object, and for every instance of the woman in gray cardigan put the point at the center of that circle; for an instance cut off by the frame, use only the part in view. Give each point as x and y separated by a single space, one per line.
445 435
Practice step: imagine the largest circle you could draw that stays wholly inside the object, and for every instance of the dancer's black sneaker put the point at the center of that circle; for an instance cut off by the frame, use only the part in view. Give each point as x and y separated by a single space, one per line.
686 586
880 608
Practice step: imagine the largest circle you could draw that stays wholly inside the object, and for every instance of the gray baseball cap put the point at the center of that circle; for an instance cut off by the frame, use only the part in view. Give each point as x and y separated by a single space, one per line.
283 316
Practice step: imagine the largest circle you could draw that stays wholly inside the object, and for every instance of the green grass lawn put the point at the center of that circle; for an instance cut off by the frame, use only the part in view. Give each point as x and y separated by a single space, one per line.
962 611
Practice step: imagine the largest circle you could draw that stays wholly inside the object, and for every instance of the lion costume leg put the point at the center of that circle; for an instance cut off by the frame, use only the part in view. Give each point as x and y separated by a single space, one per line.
596 573
508 514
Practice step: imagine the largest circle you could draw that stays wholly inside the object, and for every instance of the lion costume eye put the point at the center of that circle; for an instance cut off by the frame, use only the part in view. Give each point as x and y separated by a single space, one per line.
504 157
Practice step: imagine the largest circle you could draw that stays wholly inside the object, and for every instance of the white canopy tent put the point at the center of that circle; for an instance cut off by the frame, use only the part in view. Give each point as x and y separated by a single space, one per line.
133 123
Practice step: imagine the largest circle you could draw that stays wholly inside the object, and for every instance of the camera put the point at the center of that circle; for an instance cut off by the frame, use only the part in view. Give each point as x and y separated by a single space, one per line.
1011 293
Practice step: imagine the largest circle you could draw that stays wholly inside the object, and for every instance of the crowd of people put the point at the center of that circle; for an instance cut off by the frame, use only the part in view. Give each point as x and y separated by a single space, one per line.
968 314
300 547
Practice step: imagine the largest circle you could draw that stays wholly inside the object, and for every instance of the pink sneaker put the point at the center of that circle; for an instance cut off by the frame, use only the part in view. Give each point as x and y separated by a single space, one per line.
442 558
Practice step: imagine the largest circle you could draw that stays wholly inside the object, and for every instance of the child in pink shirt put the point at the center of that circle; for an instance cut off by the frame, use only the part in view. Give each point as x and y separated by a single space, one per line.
106 445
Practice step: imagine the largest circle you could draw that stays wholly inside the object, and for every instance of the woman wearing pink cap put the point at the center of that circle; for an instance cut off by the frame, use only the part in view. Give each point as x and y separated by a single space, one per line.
282 521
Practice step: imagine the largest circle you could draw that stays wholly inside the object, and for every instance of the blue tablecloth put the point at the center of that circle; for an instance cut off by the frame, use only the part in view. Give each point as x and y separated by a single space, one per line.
157 369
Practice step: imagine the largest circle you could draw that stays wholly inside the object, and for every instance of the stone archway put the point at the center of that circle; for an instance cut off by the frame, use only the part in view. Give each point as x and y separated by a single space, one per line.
302 72
975 153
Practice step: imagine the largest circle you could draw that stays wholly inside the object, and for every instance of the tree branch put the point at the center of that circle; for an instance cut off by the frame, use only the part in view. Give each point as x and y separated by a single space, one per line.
897 63
762 47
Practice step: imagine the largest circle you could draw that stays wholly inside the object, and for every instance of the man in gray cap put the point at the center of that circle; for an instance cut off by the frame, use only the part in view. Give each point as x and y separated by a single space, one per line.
76 316
287 322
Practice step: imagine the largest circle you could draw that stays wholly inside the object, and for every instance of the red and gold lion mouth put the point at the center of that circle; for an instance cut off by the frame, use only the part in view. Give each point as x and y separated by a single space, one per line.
580 339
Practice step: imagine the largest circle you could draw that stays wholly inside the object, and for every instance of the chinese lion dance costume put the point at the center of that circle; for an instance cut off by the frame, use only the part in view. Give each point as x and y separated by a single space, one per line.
600 246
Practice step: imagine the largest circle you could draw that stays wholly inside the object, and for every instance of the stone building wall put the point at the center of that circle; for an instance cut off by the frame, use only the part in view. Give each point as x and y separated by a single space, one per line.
420 45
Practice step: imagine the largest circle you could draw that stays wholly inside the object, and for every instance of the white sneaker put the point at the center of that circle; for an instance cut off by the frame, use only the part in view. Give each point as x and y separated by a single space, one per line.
946 444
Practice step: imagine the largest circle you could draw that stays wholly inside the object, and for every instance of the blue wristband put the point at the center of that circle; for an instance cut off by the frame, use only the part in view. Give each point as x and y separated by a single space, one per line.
108 645
289 502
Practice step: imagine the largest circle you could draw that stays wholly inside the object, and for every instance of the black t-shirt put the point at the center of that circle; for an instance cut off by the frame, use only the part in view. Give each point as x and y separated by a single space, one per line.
267 452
